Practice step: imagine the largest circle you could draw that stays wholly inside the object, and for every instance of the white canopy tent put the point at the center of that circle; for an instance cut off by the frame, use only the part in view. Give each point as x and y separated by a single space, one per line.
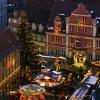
92 80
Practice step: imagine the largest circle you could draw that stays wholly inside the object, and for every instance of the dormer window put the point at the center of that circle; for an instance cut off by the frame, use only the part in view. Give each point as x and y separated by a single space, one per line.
33 27
57 24
41 28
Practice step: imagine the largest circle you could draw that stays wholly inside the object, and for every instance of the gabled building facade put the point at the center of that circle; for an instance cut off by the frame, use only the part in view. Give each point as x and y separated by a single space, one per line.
77 31
39 37
56 39
81 33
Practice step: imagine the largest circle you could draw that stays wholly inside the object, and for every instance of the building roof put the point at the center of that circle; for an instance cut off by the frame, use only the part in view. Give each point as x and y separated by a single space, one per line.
96 63
8 44
80 93
81 10
92 80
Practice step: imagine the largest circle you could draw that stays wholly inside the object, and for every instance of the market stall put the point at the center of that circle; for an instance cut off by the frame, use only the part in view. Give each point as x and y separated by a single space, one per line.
49 78
31 92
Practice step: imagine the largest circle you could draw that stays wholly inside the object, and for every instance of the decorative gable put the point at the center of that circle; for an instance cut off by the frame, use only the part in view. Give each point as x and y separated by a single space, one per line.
80 22
57 24
81 10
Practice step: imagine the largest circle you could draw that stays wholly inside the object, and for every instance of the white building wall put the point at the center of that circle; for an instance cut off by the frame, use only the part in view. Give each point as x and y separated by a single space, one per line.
94 27
67 25
93 55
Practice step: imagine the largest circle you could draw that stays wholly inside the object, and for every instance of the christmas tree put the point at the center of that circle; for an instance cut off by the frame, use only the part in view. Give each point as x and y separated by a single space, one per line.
28 49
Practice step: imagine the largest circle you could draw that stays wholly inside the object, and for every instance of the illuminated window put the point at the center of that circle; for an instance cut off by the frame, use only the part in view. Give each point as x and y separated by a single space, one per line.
84 19
10 61
77 29
57 39
33 26
41 28
77 42
9 20
90 56
84 29
14 20
14 29
91 43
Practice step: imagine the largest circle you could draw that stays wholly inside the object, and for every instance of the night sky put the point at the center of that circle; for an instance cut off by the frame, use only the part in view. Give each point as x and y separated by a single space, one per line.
42 10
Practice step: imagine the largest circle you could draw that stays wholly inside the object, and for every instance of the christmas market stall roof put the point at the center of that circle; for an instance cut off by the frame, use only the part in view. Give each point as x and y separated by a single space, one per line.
92 80
8 44
96 63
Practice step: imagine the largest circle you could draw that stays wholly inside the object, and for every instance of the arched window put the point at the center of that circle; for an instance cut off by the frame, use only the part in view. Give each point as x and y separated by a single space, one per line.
40 28
33 26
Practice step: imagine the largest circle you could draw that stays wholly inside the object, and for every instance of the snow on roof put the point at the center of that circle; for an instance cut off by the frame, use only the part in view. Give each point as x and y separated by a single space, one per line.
51 56
92 80
80 93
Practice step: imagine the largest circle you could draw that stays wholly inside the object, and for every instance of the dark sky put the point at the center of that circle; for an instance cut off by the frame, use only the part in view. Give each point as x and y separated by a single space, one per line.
41 10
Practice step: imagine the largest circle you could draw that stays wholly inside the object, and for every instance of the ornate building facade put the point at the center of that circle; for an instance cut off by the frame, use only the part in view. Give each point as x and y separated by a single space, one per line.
56 39
80 33
39 37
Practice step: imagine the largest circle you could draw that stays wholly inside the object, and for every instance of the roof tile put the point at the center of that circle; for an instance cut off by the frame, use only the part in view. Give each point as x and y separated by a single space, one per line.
8 43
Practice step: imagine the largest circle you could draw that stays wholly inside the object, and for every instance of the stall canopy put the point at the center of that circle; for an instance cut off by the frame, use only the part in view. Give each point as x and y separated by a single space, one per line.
92 80
80 93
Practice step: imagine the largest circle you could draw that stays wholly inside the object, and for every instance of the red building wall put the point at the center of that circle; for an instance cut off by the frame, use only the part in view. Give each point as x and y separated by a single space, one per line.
54 43
82 21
